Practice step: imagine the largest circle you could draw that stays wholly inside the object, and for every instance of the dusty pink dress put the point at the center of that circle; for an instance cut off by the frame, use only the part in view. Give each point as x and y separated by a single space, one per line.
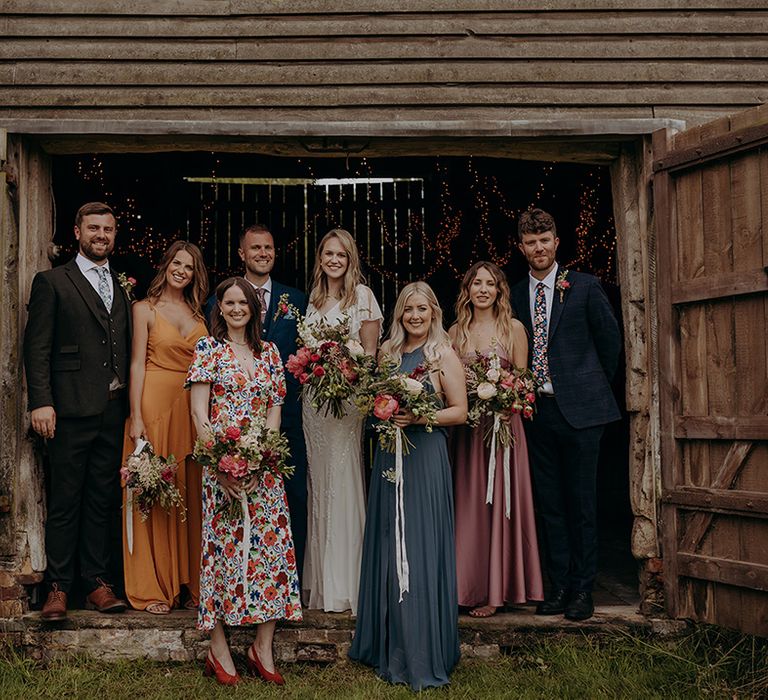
497 559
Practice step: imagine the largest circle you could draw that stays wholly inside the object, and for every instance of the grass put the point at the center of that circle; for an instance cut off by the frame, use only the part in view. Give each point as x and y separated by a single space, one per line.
707 663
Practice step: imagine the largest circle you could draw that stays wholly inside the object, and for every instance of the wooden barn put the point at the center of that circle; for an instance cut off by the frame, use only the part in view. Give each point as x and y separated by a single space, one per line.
665 95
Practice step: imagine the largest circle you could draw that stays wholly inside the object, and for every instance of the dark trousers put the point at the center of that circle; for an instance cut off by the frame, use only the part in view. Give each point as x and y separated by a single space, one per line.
83 496
296 489
564 470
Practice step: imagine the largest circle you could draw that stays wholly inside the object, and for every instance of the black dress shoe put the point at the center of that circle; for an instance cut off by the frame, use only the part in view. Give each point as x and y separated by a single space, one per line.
555 603
580 606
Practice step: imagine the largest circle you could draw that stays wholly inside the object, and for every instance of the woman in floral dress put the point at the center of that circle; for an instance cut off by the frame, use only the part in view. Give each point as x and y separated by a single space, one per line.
235 375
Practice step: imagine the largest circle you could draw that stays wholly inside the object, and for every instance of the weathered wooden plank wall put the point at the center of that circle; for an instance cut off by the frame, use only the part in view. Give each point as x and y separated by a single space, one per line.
352 61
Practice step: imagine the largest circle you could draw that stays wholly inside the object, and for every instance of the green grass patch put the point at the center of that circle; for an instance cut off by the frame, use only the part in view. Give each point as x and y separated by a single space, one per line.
707 663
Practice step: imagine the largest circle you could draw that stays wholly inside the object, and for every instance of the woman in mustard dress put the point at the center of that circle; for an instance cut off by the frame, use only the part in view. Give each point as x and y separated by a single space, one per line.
162 554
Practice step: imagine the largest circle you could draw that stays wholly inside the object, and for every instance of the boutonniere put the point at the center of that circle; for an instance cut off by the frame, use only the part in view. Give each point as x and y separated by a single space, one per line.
127 283
562 285
285 309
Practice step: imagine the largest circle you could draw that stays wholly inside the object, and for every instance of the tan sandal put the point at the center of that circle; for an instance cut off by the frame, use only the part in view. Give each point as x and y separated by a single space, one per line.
483 611
158 608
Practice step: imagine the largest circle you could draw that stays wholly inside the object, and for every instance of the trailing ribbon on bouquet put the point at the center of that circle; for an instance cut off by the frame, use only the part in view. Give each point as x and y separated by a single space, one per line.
401 556
140 443
246 547
506 461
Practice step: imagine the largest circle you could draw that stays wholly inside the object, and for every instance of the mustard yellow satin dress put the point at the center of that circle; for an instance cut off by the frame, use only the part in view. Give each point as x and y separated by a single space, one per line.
166 548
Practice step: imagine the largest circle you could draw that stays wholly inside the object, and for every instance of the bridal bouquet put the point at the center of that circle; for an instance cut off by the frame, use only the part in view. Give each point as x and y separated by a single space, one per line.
495 391
385 391
150 479
328 365
242 450
498 393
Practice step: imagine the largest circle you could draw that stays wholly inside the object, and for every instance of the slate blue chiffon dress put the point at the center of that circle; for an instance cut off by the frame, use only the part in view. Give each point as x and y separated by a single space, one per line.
415 641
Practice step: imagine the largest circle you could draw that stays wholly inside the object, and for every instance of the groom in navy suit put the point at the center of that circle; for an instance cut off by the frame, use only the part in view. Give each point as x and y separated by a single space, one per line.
574 346
257 251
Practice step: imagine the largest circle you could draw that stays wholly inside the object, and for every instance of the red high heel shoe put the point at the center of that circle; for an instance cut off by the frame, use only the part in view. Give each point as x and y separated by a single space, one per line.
255 665
215 669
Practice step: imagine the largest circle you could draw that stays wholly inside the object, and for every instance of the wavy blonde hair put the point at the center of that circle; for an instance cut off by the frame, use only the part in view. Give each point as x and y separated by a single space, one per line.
437 338
502 309
196 292
352 277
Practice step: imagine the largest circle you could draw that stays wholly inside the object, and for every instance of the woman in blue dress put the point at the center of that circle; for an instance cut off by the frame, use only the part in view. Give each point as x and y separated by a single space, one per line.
407 626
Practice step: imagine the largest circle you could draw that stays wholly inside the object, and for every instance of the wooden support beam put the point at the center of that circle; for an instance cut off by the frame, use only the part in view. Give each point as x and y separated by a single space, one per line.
733 573
723 285
721 427
720 501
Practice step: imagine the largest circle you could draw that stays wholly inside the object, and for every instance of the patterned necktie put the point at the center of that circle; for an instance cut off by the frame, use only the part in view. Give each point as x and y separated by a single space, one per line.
104 290
262 303
539 362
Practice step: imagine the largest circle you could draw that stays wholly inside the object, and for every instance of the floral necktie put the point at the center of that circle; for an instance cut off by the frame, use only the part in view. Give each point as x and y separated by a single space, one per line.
104 291
539 362
262 303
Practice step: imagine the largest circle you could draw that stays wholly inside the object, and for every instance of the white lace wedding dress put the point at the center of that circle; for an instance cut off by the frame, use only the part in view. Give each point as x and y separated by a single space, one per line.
336 517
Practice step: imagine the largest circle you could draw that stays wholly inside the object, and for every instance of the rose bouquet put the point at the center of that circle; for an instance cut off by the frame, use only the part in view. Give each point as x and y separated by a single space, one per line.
385 391
243 450
494 391
328 365
498 393
240 452
151 480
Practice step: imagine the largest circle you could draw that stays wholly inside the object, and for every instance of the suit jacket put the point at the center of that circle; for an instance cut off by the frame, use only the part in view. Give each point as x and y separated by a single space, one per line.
283 332
583 347
67 349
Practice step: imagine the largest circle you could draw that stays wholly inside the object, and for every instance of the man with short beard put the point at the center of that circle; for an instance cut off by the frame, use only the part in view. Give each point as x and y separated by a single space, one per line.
574 346
76 357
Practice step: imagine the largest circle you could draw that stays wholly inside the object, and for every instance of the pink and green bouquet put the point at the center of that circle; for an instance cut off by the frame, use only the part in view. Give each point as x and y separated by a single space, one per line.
385 392
328 365
151 480
497 392
244 449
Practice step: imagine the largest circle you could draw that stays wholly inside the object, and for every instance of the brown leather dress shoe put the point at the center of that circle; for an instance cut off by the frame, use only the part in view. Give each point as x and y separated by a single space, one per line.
55 607
104 600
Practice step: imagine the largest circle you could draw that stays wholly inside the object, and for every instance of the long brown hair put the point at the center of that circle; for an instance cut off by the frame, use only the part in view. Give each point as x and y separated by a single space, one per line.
352 277
502 309
253 329
196 291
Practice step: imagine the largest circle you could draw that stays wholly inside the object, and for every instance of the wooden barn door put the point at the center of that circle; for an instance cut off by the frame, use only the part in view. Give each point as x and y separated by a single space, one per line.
711 208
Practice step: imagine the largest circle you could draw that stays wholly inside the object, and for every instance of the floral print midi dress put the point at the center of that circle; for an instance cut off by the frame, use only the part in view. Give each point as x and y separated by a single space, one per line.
271 591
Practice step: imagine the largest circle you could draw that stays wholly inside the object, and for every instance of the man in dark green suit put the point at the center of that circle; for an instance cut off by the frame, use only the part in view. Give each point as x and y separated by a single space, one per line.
76 357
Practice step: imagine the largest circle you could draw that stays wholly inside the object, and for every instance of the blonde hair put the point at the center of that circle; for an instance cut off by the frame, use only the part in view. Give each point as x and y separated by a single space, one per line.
352 277
502 309
437 338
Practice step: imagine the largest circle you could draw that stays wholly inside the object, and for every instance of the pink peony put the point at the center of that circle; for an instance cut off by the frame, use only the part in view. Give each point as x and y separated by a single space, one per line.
385 406
295 365
303 378
228 464
508 381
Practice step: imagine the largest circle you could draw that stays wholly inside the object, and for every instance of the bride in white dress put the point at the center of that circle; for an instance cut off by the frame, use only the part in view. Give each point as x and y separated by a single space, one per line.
334 446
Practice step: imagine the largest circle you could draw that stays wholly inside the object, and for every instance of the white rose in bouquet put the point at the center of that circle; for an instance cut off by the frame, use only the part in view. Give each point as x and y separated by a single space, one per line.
413 386
486 390
493 375
355 347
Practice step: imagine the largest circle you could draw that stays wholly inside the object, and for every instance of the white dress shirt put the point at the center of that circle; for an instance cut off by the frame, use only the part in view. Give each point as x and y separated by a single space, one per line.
267 287
549 295
88 268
